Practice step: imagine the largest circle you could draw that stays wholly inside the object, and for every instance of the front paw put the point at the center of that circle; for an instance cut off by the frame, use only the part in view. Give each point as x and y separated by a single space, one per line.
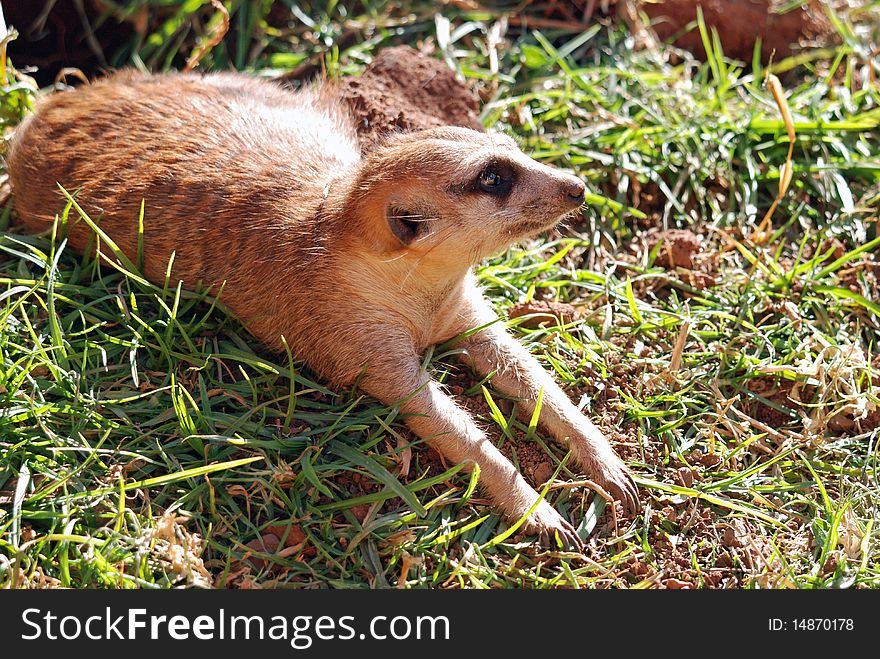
612 475
550 525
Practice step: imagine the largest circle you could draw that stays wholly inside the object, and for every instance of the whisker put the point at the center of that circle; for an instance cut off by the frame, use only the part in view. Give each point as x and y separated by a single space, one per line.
396 258
411 218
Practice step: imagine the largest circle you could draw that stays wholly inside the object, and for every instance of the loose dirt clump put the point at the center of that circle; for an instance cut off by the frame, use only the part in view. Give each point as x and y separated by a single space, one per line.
403 90
545 313
677 248
270 542
679 251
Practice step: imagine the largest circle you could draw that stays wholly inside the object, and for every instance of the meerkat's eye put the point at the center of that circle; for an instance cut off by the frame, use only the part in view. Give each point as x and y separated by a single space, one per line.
490 180
497 178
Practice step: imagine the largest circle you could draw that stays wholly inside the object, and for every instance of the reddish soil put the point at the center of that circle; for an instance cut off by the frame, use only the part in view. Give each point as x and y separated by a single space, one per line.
270 543
777 391
403 90
740 23
551 313
677 248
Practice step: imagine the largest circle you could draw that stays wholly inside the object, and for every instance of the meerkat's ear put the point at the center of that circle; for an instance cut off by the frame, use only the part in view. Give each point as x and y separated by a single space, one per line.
407 225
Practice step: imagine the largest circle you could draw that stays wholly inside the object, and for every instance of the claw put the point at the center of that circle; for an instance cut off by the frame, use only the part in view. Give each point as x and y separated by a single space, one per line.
620 484
568 538
552 529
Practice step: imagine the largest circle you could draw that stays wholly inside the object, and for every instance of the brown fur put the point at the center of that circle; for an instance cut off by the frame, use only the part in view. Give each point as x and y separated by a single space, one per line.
265 190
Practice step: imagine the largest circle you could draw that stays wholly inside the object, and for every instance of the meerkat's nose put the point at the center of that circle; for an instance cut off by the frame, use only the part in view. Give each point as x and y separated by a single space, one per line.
575 191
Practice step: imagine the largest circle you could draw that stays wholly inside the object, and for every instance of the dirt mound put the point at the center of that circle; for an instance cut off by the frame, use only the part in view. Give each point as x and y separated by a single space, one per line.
677 247
550 313
403 90
740 23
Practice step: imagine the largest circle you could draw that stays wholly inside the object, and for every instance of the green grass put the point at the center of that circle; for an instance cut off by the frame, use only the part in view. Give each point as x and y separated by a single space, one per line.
146 440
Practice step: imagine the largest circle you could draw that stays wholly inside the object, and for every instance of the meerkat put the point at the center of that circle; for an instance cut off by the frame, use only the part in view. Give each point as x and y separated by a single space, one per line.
358 263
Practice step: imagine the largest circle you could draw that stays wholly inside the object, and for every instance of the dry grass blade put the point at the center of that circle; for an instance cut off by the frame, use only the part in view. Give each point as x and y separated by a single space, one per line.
215 38
763 232
678 349
71 71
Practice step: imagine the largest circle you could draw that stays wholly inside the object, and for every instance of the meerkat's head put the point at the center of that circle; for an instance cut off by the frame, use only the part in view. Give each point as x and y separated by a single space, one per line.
455 196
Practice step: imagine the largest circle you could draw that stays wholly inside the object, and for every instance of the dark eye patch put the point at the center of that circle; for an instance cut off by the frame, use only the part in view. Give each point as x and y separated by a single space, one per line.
496 179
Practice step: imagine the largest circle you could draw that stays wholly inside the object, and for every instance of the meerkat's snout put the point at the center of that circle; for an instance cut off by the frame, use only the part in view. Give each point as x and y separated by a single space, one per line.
575 192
